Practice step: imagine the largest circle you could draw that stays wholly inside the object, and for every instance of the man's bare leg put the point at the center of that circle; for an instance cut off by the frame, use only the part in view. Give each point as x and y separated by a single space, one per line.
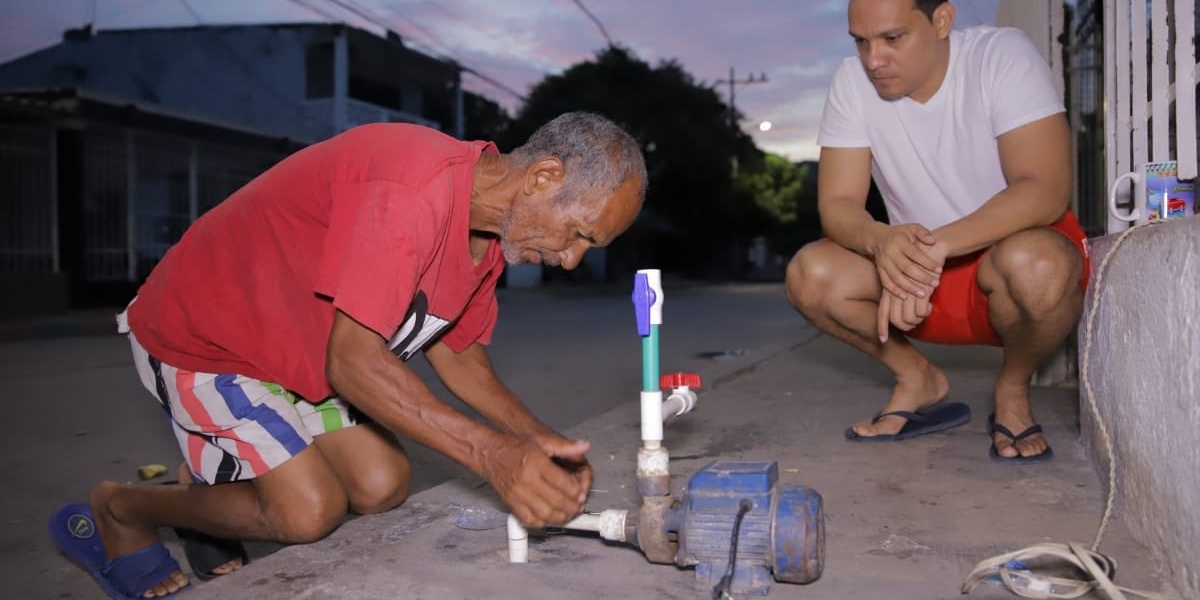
185 478
1032 283
838 292
299 501
371 466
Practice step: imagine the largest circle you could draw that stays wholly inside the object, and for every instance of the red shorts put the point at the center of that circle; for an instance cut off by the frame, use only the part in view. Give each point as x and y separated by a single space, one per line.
959 312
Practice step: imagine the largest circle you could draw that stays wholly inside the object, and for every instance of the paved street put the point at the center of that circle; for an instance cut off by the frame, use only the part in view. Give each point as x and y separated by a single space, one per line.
904 520
80 414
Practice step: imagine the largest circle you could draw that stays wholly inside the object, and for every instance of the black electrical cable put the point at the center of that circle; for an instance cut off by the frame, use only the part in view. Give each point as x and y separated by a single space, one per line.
725 585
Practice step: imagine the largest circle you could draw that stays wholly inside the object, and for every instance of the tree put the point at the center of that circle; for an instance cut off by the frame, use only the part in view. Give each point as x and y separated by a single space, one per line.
483 118
786 193
694 217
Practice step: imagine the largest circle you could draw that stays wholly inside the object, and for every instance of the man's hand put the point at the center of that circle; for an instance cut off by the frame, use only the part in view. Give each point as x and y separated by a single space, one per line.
544 479
902 257
901 314
906 313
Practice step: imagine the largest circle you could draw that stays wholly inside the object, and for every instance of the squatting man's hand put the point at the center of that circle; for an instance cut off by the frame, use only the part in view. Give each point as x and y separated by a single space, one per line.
921 258
544 479
904 261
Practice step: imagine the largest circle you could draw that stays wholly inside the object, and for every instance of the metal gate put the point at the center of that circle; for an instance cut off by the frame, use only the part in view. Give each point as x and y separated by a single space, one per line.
28 216
142 191
1085 108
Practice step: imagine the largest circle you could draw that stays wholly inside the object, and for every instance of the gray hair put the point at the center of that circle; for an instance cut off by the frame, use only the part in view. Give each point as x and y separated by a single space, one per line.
598 155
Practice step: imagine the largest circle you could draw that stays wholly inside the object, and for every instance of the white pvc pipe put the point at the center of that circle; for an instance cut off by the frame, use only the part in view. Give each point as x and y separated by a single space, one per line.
518 541
584 522
680 401
610 524
652 419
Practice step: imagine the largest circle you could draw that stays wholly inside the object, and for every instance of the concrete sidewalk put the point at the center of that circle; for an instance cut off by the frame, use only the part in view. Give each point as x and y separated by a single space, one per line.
904 520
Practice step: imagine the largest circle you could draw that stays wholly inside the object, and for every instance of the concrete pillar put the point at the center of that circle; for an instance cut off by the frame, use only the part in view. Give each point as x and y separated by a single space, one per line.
1143 373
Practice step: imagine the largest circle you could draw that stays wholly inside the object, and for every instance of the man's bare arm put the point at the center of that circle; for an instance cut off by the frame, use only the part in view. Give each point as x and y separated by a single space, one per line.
366 374
903 264
843 182
1036 159
471 377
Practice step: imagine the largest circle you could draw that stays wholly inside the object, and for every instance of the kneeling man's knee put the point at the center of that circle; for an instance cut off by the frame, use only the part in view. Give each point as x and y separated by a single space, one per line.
381 492
304 522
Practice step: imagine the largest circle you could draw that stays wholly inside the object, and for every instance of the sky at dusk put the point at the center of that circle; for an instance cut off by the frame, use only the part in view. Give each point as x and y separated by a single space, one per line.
796 43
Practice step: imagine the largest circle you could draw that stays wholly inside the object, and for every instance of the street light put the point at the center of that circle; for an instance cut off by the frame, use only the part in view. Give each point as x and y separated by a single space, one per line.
733 82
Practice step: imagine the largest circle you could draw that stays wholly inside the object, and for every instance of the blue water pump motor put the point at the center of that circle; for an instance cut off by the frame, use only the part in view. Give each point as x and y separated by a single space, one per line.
782 533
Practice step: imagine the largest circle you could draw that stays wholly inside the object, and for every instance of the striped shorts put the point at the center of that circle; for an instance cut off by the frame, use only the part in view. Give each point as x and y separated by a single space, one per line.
232 427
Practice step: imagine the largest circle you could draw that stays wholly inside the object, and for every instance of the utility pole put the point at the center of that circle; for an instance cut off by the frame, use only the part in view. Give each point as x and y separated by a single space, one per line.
733 82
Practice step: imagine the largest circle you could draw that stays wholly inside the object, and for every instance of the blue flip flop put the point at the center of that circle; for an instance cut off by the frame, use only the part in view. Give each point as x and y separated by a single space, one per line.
126 578
930 420
993 428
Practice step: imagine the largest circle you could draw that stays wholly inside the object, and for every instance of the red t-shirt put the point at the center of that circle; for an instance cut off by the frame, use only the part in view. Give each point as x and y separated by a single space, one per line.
374 222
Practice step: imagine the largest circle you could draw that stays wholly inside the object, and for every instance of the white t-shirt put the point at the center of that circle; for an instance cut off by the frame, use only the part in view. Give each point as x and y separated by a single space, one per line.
939 161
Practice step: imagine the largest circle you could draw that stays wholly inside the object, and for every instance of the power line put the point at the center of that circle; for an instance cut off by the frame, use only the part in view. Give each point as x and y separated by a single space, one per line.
494 82
354 9
455 16
733 82
433 39
327 15
23 50
595 20
378 20
299 107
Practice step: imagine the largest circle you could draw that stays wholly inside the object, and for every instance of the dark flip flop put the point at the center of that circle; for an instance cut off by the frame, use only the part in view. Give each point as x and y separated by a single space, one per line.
931 420
994 428
205 552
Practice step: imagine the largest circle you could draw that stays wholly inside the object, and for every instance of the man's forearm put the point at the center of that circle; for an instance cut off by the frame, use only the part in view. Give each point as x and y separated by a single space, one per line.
1036 160
384 388
850 225
472 378
1021 206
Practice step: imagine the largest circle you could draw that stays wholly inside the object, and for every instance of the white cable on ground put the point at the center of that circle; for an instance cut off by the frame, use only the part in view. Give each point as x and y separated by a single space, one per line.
1099 568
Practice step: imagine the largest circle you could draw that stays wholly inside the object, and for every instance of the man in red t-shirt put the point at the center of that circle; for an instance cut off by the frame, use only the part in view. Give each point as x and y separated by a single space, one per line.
275 332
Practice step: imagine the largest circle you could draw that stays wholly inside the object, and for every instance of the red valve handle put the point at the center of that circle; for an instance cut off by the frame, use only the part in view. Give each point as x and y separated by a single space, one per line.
674 380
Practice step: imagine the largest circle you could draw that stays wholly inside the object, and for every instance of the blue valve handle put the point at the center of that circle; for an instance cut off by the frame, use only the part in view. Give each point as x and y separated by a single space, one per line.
643 298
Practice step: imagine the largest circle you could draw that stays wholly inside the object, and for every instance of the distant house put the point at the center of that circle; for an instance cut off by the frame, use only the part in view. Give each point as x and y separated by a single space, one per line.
112 143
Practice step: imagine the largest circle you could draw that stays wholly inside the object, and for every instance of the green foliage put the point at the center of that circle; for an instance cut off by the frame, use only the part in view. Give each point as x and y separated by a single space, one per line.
684 132
698 213
786 193
483 118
